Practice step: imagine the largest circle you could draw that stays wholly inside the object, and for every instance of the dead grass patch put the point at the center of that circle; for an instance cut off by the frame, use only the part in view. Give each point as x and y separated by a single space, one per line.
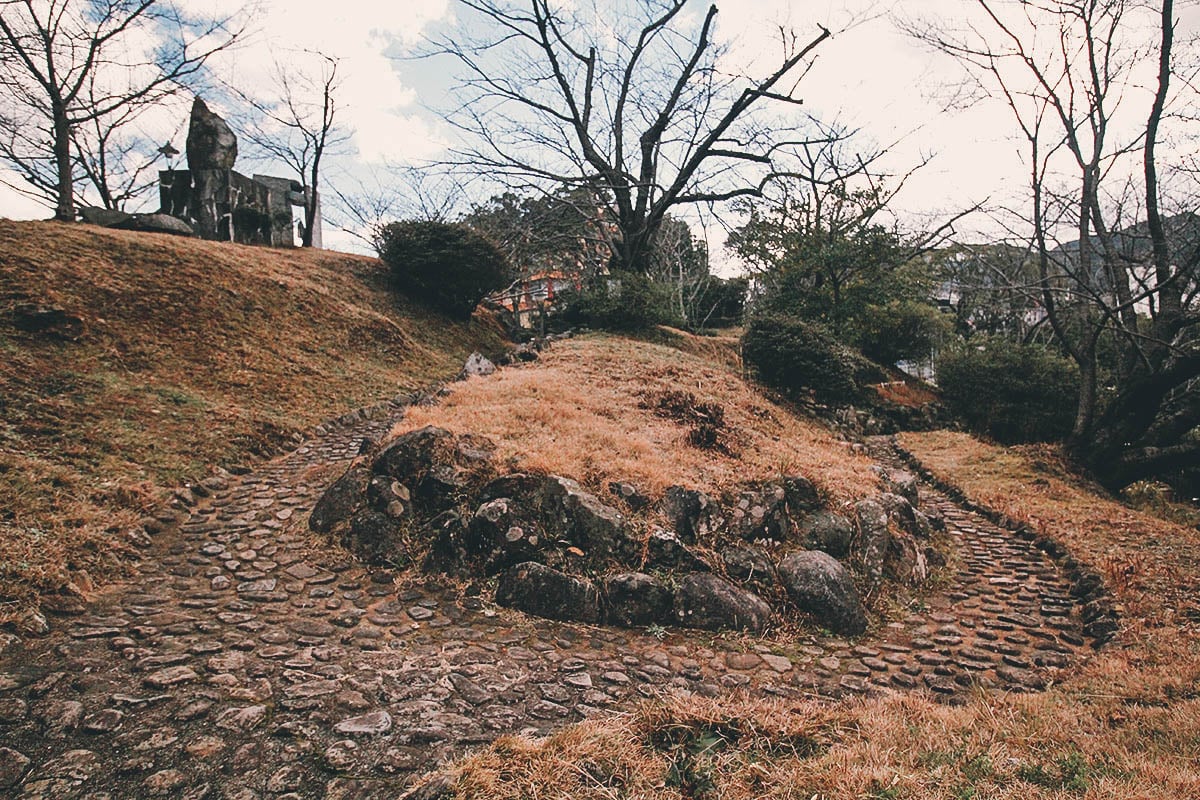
191 354
580 412
1125 725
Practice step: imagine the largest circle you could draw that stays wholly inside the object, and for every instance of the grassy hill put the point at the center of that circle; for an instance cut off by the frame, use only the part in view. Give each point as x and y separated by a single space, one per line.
1125 725
172 356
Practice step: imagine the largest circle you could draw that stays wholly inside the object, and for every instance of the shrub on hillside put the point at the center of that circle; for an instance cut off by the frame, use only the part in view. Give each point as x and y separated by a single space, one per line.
900 329
1012 392
624 301
794 355
449 267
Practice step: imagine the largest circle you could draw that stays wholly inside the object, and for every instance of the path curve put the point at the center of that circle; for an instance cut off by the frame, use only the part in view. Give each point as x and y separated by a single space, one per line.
243 662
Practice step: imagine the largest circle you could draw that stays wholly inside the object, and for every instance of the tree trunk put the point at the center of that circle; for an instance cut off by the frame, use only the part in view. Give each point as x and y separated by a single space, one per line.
65 209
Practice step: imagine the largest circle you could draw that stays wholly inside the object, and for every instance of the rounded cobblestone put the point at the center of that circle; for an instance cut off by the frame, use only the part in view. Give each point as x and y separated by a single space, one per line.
244 658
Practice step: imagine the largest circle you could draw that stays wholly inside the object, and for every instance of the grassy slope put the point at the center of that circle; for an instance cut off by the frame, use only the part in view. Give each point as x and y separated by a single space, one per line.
587 410
1127 725
194 353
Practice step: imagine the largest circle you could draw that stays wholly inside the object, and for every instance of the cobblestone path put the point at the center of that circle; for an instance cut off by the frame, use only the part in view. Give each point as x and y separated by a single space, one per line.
242 662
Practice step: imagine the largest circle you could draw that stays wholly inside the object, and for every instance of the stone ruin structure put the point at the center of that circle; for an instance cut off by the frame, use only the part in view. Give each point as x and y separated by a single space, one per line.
225 205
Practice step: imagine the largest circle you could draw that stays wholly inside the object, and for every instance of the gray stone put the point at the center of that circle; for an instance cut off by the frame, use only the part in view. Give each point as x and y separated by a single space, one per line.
761 514
634 599
210 141
104 217
375 536
819 585
597 529
341 501
666 551
800 493
545 592
706 601
373 724
156 223
749 564
478 366
871 540
827 531
687 511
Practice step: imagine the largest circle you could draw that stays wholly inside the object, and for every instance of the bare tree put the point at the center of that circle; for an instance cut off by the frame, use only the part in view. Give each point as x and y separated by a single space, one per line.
299 125
1067 69
65 64
823 238
368 200
625 102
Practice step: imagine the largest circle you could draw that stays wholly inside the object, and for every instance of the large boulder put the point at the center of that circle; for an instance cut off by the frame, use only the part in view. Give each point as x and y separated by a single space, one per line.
412 454
341 501
871 540
597 529
688 512
545 592
210 141
827 531
749 564
478 366
104 217
819 585
706 601
800 493
902 512
376 537
664 550
903 483
634 599
761 514
155 223
503 533
906 561
437 467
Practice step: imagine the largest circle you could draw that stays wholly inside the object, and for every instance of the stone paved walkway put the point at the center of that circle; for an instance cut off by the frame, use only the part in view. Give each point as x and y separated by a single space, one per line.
245 663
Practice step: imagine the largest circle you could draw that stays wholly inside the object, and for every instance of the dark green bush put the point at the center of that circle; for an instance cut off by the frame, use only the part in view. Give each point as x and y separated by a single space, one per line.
622 302
1012 392
900 329
793 355
449 267
719 303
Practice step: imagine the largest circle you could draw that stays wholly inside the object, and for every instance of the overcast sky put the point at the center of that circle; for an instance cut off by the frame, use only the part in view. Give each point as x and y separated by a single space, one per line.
869 75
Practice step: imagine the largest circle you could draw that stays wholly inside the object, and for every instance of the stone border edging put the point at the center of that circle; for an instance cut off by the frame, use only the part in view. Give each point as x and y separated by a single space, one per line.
1100 614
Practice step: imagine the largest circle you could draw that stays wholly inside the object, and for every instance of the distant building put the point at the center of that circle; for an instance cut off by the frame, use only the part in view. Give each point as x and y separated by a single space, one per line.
527 299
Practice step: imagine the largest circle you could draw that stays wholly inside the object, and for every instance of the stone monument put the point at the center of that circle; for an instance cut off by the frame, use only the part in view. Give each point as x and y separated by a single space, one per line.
222 204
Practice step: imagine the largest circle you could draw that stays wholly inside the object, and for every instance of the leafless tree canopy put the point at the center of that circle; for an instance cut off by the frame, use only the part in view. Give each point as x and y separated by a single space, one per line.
74 76
298 123
1074 74
630 102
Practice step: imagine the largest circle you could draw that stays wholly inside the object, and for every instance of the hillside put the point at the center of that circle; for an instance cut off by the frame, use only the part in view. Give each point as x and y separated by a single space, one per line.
1125 724
175 356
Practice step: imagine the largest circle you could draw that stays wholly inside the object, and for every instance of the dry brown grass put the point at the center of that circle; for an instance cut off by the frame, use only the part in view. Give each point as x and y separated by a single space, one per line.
578 413
1126 725
1154 563
194 353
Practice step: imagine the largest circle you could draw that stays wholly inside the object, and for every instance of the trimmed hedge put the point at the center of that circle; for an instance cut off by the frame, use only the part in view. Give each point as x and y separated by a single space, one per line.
794 356
448 267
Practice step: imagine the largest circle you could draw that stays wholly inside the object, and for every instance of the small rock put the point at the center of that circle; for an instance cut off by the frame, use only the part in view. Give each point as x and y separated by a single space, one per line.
375 723
13 766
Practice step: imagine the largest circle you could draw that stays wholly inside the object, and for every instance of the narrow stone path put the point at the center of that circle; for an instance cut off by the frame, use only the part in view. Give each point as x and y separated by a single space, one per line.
244 662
